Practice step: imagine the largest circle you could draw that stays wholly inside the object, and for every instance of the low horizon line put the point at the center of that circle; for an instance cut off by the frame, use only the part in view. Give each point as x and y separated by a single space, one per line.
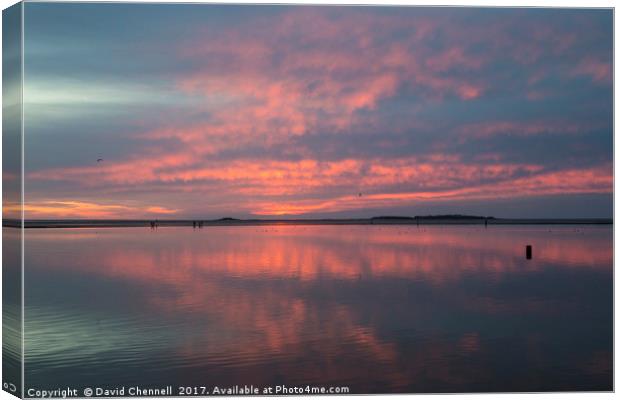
298 218
232 222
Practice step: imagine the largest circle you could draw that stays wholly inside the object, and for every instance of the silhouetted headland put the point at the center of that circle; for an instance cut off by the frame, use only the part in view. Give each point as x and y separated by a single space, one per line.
449 219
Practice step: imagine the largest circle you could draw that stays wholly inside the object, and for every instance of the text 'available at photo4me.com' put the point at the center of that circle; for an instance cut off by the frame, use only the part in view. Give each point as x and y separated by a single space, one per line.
169 390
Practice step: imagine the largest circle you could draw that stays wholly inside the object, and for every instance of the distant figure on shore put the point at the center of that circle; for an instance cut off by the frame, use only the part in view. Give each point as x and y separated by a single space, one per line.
194 224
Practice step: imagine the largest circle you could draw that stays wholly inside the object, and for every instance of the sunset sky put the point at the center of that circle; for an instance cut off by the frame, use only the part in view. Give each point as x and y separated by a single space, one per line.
256 111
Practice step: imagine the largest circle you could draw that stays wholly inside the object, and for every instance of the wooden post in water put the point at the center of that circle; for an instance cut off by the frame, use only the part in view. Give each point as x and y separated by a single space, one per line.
528 252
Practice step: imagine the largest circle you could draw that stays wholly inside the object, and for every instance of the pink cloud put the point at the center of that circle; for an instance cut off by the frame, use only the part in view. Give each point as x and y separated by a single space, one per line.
594 180
286 92
271 81
523 128
599 71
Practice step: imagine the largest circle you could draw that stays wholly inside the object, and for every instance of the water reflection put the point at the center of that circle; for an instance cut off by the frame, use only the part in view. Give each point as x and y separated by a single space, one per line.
11 309
378 308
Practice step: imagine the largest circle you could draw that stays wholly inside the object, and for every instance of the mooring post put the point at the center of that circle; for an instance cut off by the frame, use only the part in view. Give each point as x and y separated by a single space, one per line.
528 252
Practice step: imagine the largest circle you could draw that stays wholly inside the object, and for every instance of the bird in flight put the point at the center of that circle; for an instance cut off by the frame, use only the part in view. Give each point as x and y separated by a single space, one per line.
99 159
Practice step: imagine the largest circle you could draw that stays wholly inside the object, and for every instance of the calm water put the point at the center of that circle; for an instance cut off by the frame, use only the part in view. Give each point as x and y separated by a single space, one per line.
375 308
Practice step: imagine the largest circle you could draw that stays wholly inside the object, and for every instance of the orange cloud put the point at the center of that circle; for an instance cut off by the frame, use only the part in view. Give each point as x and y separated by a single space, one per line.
160 210
81 209
268 187
596 180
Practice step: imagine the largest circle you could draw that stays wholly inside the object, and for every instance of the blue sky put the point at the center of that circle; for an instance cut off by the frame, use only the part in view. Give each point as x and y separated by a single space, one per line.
255 111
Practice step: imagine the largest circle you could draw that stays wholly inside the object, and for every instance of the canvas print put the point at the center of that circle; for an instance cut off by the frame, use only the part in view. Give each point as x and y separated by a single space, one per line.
207 199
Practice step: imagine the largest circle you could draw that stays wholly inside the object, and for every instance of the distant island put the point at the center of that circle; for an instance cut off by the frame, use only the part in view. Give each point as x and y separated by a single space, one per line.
446 219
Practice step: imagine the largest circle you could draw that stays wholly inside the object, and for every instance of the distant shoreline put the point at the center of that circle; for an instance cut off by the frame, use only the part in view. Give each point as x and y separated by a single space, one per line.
76 223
